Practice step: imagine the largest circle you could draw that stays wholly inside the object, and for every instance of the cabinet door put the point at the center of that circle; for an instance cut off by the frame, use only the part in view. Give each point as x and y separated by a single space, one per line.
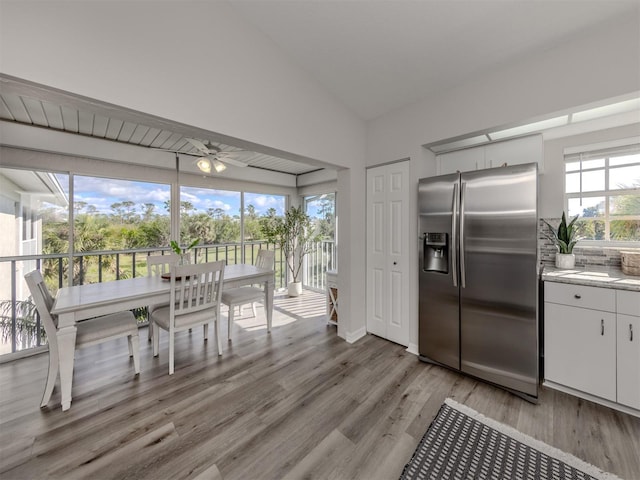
629 360
515 152
580 349
466 160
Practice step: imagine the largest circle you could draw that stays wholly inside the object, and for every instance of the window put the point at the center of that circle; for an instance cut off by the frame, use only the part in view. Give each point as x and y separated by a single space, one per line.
603 187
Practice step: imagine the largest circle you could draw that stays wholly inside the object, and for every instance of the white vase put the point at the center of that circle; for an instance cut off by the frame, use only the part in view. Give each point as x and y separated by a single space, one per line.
565 260
295 289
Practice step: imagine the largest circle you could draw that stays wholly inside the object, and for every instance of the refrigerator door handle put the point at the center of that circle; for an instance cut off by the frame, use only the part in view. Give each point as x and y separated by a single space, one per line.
463 275
454 236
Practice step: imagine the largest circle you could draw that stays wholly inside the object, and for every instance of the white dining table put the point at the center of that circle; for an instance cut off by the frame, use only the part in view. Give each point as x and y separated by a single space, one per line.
74 304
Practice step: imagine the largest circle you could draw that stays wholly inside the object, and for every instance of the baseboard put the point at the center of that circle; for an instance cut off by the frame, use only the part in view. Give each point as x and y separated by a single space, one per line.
413 348
353 337
592 398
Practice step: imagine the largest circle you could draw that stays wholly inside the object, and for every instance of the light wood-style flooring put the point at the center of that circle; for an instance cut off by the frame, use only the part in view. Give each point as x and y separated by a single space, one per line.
298 403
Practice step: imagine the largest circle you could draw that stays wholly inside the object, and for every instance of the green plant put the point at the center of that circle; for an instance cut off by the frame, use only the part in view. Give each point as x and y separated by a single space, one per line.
294 234
175 246
565 236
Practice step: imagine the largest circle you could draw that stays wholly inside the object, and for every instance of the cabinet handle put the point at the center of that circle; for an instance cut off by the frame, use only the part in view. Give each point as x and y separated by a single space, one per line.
578 296
602 326
631 332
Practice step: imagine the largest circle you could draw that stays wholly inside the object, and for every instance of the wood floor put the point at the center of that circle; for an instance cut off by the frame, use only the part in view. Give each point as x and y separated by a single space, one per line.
298 403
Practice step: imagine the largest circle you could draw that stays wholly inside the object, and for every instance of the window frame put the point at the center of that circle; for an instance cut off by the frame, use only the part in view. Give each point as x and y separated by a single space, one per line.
605 152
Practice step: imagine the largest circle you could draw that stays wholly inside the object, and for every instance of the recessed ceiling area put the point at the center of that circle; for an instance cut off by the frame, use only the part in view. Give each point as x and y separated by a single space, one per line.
37 106
613 114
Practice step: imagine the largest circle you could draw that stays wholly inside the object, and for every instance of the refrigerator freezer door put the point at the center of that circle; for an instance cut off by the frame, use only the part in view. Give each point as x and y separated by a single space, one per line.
498 303
439 328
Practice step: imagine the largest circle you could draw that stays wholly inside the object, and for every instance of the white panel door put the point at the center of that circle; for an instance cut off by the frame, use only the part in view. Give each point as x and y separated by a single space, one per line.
388 252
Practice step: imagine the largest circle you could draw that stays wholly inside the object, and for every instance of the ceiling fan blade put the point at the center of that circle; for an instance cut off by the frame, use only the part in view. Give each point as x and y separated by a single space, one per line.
231 161
199 145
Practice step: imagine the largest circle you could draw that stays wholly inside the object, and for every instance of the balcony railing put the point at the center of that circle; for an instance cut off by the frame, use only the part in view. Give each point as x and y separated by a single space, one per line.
316 264
20 327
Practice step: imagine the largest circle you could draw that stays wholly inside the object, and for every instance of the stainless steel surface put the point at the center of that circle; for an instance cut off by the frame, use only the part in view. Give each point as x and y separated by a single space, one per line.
439 301
454 234
498 307
486 326
463 252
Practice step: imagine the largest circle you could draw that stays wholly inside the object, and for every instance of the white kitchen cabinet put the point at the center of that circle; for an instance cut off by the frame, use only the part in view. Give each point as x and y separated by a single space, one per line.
628 348
515 152
580 349
466 160
591 343
509 152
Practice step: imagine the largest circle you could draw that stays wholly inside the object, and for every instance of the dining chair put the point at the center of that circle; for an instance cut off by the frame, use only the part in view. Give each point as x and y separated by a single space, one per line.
89 332
160 265
195 300
236 297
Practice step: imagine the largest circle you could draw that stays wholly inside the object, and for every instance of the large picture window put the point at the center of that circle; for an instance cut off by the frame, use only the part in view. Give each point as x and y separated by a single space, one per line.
603 187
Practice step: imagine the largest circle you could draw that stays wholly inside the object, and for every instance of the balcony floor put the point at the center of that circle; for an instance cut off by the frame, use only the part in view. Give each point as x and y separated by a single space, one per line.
298 403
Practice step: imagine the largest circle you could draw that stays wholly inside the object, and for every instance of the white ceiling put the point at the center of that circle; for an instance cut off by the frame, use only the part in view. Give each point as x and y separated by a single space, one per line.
376 56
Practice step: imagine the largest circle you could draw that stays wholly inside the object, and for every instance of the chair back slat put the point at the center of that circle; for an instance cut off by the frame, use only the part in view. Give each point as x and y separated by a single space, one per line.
196 287
266 259
161 264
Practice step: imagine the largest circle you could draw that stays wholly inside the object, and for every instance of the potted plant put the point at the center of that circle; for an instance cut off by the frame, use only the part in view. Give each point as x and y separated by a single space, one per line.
182 251
295 235
565 239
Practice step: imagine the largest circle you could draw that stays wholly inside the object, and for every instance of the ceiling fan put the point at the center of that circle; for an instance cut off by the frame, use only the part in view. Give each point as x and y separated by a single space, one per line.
212 157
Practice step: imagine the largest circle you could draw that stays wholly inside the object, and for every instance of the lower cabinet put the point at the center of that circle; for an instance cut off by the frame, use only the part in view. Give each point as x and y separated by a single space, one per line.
580 349
591 343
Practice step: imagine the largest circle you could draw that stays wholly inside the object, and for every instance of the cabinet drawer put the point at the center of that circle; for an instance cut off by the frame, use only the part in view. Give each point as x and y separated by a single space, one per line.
628 302
594 298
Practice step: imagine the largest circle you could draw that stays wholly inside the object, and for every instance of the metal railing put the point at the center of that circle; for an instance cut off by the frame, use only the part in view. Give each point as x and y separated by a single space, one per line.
321 258
20 327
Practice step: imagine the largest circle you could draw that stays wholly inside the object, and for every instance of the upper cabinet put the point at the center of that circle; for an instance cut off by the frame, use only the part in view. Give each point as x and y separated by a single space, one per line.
510 152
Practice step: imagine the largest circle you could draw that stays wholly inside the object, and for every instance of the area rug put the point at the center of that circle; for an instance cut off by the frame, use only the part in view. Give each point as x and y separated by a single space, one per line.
464 444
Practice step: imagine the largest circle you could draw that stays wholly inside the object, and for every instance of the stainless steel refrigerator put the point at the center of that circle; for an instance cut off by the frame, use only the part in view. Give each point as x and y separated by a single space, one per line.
478 275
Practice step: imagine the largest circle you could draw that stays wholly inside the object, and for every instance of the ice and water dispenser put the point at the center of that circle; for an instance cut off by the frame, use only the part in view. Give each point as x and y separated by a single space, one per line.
436 252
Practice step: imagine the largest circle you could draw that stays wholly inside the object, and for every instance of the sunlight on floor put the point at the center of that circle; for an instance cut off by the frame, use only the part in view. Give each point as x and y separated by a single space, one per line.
286 310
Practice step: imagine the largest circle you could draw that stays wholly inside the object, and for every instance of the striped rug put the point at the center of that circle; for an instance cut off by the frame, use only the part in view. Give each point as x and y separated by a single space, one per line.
463 444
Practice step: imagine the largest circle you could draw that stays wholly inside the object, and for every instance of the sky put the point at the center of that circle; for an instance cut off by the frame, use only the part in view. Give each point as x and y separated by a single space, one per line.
103 192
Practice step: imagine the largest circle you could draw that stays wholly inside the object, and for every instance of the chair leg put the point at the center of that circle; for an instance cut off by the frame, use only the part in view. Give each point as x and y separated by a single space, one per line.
134 344
51 377
150 332
230 321
205 328
130 343
156 339
217 329
171 350
253 308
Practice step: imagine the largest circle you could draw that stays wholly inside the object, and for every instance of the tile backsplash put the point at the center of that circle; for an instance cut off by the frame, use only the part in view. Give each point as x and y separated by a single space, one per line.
585 256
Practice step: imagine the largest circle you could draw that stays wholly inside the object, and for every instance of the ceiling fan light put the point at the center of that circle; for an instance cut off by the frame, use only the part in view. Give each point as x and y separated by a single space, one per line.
219 166
204 164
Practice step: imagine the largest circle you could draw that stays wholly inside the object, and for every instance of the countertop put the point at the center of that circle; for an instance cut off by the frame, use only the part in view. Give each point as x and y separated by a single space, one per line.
595 276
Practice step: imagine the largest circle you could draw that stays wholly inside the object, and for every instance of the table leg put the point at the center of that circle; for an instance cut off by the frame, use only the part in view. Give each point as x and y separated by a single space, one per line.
66 348
268 304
